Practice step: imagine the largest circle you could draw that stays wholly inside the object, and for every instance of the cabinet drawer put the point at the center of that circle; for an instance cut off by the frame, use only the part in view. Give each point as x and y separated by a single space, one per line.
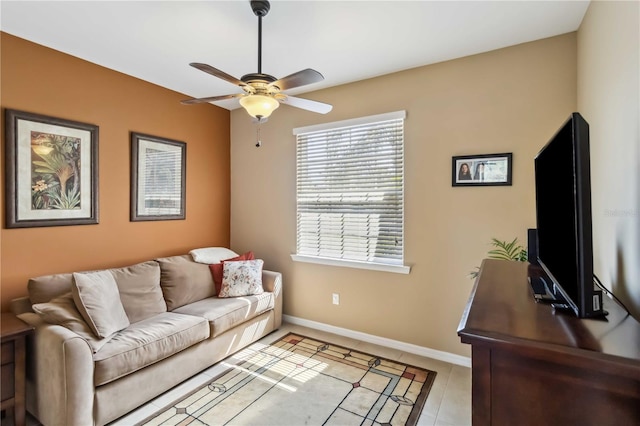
7 352
8 381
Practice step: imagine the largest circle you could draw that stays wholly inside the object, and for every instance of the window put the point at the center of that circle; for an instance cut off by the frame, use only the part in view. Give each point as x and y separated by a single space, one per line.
162 183
350 192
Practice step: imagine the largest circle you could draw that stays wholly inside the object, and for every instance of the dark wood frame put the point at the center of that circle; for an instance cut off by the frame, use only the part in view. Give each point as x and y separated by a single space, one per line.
135 215
478 158
12 139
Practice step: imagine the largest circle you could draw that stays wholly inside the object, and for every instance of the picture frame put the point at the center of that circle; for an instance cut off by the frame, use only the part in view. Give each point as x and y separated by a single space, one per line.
482 170
51 171
158 178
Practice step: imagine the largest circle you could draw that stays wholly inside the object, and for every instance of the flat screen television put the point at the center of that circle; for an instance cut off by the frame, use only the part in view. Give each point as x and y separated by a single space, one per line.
563 216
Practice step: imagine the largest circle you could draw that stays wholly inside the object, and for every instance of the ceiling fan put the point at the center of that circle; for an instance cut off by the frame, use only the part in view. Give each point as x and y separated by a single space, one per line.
262 92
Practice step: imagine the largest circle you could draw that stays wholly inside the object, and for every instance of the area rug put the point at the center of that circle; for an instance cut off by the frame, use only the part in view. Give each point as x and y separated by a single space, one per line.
302 381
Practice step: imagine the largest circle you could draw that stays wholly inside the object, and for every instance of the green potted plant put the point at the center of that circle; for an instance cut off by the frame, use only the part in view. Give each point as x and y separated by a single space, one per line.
504 251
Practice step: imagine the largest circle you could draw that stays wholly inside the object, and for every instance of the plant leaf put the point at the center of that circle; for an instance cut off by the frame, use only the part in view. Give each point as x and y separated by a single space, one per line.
504 251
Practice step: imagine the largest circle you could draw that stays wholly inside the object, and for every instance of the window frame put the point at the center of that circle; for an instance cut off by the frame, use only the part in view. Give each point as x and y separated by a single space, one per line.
400 267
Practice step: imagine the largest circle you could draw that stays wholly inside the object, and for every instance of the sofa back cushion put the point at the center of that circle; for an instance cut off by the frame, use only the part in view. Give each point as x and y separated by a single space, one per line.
184 281
139 287
97 298
140 292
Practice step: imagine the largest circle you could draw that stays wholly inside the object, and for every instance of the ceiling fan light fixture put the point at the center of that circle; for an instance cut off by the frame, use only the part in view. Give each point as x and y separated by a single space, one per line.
259 106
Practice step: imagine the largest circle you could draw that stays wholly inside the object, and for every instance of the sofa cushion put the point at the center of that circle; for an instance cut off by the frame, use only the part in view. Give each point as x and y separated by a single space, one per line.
184 281
224 314
242 278
98 300
62 311
146 342
140 291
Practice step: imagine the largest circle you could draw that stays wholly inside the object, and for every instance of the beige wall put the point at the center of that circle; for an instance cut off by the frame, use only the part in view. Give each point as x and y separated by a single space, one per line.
44 81
509 100
609 99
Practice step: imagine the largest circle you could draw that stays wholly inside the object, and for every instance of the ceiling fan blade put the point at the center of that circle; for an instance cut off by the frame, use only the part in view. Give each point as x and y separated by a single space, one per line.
211 99
309 105
217 73
297 79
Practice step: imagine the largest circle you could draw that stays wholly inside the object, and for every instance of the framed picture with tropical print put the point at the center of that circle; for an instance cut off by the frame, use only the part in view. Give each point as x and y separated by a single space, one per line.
51 171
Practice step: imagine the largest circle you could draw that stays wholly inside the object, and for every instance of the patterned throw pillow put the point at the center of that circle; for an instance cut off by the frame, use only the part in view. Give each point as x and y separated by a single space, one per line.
217 268
242 278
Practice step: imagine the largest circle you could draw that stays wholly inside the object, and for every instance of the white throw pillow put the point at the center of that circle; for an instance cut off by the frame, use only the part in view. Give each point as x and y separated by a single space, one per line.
211 255
97 298
241 278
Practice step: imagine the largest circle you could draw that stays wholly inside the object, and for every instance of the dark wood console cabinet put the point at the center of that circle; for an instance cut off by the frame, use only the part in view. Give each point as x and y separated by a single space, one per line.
534 366
12 348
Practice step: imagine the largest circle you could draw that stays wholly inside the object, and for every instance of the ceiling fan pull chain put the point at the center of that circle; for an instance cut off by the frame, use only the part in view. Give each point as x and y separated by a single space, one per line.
259 142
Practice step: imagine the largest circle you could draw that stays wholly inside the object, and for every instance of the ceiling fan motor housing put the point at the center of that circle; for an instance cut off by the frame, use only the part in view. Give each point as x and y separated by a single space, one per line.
258 83
258 78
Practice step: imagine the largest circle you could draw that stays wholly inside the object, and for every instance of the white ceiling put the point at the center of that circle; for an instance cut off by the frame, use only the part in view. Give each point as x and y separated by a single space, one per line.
344 40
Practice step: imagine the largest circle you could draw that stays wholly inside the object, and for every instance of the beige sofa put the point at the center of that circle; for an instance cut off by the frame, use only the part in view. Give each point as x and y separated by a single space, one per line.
176 329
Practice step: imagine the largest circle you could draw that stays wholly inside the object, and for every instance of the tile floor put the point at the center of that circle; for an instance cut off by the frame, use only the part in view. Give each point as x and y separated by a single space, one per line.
448 404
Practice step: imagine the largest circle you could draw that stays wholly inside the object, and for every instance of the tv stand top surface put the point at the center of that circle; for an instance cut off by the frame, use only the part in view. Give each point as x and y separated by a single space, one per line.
501 309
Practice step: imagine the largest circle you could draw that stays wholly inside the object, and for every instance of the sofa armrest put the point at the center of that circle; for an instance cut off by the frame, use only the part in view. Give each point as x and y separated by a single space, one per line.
21 305
272 282
60 374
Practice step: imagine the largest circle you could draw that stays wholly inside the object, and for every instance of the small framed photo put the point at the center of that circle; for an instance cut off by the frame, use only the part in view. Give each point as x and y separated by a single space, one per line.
158 178
51 171
481 170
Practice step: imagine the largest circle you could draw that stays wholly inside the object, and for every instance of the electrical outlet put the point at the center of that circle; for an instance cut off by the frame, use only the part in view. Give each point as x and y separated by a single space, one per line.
336 299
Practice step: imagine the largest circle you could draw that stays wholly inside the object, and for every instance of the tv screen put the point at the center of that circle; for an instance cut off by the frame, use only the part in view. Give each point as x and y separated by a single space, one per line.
563 215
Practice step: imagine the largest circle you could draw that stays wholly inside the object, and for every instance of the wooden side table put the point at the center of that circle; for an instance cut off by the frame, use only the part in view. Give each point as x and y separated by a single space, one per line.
13 353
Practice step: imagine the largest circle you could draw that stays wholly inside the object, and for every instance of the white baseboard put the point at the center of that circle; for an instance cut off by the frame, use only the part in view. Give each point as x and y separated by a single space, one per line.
382 341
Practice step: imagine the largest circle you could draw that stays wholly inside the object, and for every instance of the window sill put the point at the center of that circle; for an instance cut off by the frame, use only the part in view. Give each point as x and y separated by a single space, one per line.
397 269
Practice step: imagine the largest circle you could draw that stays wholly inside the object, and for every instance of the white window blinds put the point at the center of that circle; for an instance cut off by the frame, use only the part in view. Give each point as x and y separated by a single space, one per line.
350 189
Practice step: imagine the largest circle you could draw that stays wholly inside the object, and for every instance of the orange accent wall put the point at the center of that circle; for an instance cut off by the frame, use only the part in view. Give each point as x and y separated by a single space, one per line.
44 81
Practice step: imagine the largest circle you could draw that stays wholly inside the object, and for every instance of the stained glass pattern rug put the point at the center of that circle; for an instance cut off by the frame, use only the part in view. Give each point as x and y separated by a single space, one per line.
302 381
